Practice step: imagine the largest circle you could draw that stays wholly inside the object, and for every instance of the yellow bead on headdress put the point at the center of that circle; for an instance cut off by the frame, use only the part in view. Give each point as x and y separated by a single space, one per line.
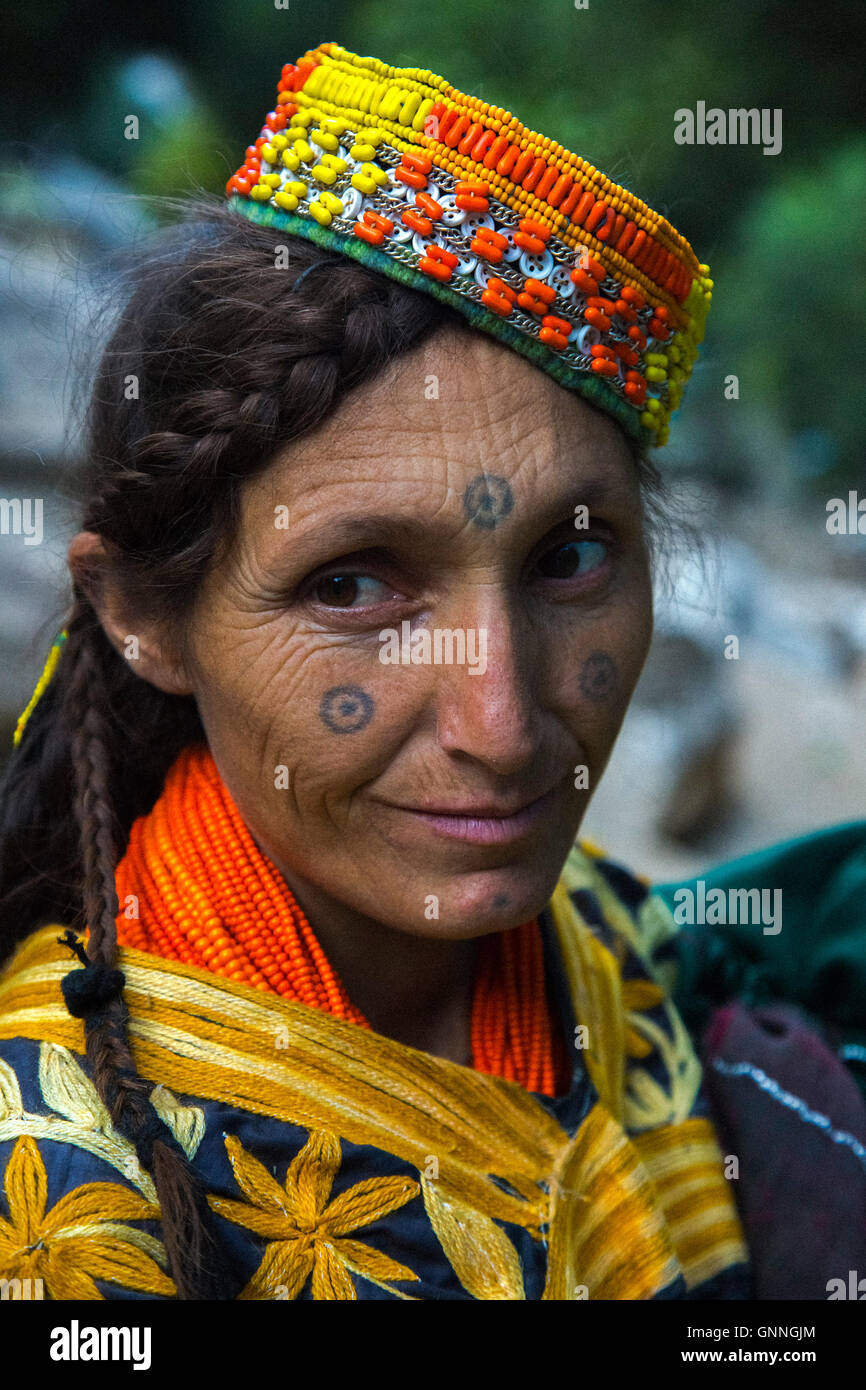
41 685
452 196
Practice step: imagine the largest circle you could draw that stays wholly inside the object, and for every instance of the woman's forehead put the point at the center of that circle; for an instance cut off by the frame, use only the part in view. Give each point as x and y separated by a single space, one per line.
459 407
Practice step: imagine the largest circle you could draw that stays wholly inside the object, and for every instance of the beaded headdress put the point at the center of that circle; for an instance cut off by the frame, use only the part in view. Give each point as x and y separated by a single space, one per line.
455 197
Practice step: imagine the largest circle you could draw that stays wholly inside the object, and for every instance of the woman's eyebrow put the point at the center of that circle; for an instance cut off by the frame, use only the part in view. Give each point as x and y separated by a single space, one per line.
353 532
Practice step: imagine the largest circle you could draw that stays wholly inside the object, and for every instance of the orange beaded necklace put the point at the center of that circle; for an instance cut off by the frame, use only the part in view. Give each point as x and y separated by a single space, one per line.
206 896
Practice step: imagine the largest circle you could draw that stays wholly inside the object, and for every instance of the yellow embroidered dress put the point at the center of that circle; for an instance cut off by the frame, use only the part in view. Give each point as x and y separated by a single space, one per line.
345 1165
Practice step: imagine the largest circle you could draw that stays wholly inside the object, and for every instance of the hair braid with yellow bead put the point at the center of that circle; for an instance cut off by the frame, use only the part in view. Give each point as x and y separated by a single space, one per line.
450 195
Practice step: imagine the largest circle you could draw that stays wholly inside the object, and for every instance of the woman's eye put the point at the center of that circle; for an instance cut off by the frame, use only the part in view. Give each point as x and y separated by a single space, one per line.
349 590
573 559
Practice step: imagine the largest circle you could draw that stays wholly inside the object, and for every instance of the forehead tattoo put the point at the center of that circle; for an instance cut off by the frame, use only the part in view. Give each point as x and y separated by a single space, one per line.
487 500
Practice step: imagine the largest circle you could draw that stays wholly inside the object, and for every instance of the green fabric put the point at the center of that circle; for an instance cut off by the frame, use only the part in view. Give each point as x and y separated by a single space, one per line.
818 959
593 388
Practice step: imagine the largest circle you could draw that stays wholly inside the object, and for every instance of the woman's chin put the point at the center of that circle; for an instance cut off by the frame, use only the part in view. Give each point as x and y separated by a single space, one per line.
459 890
478 904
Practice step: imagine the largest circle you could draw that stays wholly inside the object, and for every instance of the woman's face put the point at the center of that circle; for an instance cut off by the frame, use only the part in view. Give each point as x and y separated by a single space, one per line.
432 517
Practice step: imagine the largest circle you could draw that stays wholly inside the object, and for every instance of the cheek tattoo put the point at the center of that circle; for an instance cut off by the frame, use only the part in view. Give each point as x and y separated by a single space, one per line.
598 676
487 500
345 709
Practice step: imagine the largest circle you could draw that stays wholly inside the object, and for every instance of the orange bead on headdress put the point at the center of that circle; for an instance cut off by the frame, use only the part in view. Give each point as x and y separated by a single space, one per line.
455 197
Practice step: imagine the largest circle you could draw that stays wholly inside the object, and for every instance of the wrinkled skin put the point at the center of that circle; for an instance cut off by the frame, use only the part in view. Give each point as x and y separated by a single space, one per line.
294 614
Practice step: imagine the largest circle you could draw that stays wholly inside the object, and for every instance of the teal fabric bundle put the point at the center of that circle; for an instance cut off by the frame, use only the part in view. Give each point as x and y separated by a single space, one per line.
779 1018
818 959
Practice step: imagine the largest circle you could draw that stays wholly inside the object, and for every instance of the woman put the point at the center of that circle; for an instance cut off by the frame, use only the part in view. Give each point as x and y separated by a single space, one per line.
360 599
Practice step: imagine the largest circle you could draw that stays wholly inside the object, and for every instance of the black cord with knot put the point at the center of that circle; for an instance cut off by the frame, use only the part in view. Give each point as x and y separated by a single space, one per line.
87 991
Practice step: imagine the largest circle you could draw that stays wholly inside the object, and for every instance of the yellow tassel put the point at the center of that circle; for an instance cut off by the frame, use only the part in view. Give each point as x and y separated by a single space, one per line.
41 685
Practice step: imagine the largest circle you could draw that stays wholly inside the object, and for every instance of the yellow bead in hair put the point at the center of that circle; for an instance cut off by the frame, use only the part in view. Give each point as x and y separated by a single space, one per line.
44 681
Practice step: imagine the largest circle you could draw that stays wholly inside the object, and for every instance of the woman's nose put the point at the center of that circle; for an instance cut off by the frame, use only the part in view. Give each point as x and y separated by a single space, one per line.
488 710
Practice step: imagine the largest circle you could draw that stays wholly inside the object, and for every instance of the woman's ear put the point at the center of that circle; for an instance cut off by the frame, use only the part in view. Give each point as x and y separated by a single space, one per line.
143 645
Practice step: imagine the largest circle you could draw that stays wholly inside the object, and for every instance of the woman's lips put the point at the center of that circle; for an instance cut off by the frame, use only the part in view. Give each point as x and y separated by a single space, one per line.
478 828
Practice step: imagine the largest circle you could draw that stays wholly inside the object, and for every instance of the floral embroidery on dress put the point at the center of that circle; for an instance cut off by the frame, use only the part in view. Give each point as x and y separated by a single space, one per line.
309 1234
478 1250
638 995
546 1171
82 1238
80 1117
662 1072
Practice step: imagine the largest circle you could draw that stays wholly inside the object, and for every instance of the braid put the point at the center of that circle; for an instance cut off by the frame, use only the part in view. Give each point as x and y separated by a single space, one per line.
92 803
287 384
195 1258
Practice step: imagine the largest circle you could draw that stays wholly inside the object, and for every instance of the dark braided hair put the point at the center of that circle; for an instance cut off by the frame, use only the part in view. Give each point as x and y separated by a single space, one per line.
234 357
